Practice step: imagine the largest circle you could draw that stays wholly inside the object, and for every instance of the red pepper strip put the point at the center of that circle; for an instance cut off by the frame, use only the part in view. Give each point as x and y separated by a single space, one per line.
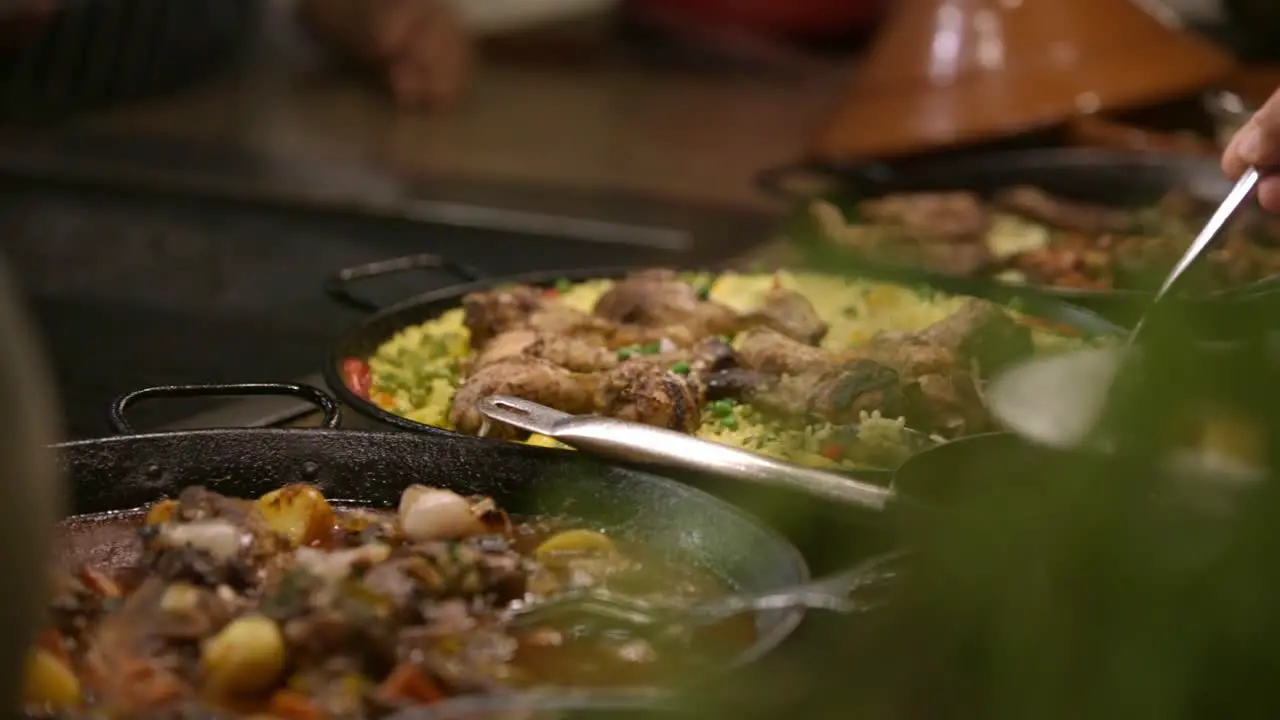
408 683
833 452
290 705
358 376
1060 328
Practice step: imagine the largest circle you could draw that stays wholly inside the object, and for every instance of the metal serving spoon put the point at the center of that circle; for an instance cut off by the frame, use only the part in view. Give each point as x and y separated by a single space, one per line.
634 442
1210 232
1058 401
838 592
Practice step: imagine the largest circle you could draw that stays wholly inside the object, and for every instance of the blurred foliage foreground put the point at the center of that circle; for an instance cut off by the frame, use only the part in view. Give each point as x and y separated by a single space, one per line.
1078 585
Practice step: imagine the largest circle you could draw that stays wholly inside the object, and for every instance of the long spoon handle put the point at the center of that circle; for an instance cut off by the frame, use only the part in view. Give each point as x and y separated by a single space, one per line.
837 592
634 442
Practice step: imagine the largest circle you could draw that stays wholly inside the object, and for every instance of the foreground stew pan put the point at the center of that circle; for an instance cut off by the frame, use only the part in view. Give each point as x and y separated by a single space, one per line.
672 521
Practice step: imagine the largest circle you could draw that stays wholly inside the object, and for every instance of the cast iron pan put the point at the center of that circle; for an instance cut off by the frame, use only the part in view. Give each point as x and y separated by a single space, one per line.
363 339
1099 176
671 519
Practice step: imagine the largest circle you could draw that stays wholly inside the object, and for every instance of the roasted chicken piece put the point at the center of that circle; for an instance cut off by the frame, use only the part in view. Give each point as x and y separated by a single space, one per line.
838 394
493 313
933 391
525 377
567 351
661 389
1073 260
947 216
1036 204
791 314
488 314
888 243
938 391
660 299
646 307
643 392
979 330
583 356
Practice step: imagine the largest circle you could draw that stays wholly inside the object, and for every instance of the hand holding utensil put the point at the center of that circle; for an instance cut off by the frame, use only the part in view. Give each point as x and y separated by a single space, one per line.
1058 401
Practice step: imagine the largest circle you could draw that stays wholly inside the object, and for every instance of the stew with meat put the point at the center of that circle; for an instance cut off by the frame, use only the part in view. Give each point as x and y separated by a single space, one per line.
294 607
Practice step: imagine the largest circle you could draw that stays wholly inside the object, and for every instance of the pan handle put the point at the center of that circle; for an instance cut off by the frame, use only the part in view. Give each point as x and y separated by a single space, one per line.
121 425
806 180
338 285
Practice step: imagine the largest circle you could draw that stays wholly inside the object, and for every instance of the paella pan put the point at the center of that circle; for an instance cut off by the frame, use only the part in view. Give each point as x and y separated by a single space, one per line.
812 368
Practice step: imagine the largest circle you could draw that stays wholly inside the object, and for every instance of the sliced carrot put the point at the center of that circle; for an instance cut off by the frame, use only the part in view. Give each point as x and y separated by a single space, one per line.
292 705
407 682
1060 328
100 583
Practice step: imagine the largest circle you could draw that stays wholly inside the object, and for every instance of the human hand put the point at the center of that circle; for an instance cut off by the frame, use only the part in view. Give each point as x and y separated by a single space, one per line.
1257 144
417 47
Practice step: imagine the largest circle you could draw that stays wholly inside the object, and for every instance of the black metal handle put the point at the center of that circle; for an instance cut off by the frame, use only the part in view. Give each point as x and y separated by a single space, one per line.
313 395
806 180
338 285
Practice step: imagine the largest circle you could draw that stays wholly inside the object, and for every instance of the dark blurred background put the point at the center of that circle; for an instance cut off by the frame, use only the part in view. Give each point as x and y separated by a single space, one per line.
178 180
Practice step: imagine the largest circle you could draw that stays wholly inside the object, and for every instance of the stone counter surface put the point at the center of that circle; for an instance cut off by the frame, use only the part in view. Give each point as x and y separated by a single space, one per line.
620 127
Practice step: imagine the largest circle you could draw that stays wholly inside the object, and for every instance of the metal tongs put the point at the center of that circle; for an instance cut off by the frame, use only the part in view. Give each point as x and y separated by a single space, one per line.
634 442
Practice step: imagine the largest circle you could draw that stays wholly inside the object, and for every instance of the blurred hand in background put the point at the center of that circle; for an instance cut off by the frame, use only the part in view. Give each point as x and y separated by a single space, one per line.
417 47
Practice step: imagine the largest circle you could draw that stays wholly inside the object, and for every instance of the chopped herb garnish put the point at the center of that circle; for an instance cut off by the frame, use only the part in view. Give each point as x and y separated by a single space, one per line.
625 353
652 348
680 368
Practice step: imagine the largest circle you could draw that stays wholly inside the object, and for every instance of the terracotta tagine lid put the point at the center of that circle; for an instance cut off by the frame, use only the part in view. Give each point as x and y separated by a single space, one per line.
943 73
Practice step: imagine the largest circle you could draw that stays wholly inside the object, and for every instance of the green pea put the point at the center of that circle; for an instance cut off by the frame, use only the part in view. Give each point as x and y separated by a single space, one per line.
652 348
680 368
564 285
729 422
625 354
